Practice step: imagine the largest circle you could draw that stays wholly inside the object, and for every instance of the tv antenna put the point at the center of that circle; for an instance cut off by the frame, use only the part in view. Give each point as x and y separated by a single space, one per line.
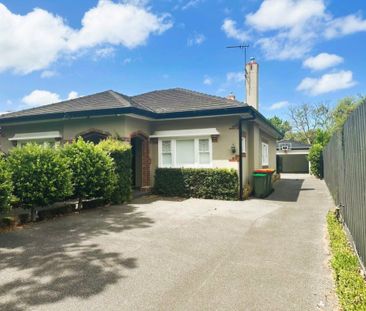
242 47
245 48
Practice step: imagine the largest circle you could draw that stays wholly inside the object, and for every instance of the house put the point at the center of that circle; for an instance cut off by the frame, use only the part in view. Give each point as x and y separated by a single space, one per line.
292 157
166 128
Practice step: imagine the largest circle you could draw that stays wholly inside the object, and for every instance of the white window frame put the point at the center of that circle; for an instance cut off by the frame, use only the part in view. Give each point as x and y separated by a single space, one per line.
196 163
265 154
244 144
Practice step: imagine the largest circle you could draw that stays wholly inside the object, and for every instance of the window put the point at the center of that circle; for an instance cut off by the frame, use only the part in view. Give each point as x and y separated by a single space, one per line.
264 154
185 152
166 151
204 151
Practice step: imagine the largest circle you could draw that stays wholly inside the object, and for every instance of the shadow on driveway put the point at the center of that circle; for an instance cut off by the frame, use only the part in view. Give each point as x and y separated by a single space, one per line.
287 190
51 261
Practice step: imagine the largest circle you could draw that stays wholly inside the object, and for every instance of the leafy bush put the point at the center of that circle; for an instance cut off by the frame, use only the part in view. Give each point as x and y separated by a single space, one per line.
220 184
351 287
316 160
6 185
40 175
120 152
92 170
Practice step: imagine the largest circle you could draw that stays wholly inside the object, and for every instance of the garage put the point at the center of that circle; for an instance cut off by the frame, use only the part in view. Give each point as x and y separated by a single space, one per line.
292 157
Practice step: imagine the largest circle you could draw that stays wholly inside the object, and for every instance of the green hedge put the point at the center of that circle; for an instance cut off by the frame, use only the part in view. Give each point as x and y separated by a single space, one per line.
315 158
120 152
92 170
219 184
40 175
6 185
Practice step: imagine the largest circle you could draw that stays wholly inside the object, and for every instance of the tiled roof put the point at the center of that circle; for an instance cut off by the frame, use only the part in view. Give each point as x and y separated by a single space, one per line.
171 100
103 100
177 99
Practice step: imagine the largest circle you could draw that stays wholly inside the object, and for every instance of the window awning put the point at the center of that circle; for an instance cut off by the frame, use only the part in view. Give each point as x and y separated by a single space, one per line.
36 136
186 133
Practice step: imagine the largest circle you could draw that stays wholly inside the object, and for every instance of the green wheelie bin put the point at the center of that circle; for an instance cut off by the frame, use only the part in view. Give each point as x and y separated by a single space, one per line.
260 182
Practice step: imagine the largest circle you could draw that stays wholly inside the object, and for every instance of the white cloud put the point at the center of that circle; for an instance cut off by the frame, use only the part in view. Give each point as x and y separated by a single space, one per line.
279 105
345 26
236 77
289 29
196 39
42 97
322 61
117 24
283 47
327 83
30 42
207 80
191 4
104 53
73 95
285 14
48 74
229 27
35 40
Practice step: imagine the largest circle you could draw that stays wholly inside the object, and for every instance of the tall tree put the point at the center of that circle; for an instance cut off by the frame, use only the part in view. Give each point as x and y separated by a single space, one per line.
306 119
282 125
343 109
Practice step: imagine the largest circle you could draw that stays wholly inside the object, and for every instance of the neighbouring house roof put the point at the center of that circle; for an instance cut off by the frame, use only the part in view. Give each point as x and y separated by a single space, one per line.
293 144
163 104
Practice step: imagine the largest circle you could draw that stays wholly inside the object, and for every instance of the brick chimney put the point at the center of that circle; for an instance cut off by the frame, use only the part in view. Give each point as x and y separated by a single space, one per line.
251 83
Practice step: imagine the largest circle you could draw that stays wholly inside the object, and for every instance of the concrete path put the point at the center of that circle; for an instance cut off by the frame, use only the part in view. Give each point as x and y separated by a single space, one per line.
156 254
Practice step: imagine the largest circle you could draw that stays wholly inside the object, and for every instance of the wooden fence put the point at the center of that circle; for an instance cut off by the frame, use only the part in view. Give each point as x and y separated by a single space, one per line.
345 175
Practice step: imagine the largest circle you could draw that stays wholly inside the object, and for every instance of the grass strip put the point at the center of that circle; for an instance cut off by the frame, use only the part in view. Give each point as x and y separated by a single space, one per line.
351 286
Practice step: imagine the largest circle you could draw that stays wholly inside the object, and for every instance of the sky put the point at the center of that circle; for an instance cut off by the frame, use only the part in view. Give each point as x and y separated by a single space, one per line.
309 51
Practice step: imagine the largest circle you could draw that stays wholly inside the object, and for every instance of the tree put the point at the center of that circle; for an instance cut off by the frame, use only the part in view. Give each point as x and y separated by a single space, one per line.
92 169
40 175
343 110
282 125
307 118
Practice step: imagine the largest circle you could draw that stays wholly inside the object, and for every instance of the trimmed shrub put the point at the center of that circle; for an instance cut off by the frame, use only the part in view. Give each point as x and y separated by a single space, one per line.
219 184
6 186
92 170
316 160
120 152
40 175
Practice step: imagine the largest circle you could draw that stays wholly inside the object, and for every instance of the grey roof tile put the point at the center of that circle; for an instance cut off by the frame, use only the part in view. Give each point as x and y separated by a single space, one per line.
178 99
171 100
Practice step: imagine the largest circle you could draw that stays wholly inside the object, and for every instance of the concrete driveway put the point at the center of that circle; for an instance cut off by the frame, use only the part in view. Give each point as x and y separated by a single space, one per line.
161 254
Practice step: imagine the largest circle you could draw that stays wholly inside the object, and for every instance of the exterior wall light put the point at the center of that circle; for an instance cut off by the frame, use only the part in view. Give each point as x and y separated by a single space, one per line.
233 148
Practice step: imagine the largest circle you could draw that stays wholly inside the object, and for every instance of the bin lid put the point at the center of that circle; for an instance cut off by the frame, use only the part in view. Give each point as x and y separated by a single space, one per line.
259 175
265 170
